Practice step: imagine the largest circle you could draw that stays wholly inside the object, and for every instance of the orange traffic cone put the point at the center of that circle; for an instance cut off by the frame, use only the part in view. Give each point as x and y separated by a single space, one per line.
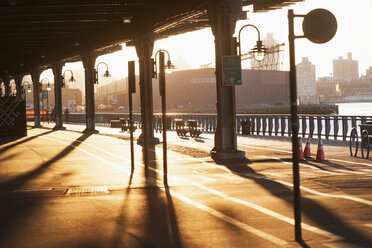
307 153
320 153
301 153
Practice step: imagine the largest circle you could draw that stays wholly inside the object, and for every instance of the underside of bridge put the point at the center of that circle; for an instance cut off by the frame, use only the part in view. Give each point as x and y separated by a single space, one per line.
40 34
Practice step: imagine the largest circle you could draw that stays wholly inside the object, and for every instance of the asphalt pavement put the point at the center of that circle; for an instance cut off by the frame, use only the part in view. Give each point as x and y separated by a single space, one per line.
69 189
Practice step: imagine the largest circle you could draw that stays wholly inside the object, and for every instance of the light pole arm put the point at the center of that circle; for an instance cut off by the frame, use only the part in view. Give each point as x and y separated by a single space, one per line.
247 25
102 63
156 56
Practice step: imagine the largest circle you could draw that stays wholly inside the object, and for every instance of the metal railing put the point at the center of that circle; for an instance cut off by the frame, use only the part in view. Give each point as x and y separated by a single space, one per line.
333 127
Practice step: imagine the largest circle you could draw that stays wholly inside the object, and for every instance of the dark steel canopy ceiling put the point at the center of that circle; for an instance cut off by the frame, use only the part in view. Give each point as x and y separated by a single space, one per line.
39 32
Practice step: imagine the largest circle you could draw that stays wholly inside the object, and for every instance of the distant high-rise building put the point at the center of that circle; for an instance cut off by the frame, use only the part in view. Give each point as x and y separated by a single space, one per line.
346 68
369 72
306 81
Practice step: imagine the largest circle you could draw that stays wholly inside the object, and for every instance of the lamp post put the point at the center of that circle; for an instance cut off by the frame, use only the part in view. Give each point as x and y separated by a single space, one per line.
107 74
162 68
132 89
24 89
319 26
259 50
71 80
46 94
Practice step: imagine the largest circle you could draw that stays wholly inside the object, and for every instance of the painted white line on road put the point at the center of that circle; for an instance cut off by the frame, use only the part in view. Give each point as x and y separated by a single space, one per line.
230 220
90 154
350 162
266 211
311 167
198 205
368 225
265 148
277 159
346 197
290 152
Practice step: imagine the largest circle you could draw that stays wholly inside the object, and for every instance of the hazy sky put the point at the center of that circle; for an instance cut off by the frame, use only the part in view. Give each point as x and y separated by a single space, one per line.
193 49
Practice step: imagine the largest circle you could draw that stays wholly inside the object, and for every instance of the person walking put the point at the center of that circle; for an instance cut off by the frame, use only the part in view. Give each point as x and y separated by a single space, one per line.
67 113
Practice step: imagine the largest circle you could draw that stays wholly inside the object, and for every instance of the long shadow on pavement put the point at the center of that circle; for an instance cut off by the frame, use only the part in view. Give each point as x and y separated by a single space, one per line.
17 207
154 225
122 220
11 139
314 210
161 227
19 181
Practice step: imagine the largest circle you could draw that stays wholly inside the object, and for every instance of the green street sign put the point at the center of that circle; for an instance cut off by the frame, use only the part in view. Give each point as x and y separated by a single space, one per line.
231 70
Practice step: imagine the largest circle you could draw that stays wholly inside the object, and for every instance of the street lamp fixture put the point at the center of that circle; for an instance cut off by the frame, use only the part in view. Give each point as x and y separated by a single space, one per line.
71 80
41 82
106 75
28 88
259 51
169 67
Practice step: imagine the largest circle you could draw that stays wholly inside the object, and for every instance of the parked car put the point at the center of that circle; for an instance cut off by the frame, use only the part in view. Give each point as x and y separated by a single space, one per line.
120 109
102 107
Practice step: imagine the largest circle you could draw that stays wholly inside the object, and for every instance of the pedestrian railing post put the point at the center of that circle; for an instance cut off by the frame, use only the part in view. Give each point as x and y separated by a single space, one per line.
276 118
311 125
363 120
327 126
258 125
304 126
320 126
335 127
282 124
238 124
344 127
264 124
270 119
353 121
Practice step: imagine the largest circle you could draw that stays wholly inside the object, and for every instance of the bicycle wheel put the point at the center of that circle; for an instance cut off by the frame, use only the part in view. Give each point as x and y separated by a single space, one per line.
365 144
353 143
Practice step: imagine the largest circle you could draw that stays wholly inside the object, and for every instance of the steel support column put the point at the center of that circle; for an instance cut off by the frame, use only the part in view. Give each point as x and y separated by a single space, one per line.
18 80
144 47
57 72
223 16
89 60
35 76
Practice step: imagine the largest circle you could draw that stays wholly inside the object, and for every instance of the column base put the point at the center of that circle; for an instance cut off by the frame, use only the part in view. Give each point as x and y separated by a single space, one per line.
228 156
151 141
59 128
90 131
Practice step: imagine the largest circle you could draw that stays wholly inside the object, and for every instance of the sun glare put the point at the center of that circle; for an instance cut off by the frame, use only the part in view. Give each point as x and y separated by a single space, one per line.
194 49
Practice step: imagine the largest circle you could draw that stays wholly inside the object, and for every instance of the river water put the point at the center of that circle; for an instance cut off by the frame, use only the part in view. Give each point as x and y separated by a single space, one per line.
355 108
